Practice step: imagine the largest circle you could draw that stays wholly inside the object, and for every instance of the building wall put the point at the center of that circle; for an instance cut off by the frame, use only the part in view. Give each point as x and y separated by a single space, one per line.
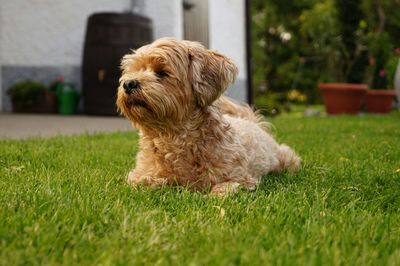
43 39
167 17
228 36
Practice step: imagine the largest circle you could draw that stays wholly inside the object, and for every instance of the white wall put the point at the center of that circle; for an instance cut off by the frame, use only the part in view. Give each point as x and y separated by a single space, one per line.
48 32
51 32
167 16
227 30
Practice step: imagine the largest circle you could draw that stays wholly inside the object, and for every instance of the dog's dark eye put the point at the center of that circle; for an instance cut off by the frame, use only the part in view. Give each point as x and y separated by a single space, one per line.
161 74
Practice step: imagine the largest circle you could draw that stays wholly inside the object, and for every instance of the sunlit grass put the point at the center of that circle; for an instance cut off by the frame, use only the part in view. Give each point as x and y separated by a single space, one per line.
65 201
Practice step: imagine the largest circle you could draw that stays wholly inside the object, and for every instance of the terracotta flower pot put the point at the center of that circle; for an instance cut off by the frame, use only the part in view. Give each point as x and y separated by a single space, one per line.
379 101
343 98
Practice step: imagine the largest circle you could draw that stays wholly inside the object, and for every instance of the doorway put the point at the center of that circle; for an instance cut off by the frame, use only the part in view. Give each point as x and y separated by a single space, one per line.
195 21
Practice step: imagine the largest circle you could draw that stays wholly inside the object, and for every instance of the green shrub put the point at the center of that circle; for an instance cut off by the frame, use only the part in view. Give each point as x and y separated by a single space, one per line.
271 103
298 44
352 28
26 93
381 50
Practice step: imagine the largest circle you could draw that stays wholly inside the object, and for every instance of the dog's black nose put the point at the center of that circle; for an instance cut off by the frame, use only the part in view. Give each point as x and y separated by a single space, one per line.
131 85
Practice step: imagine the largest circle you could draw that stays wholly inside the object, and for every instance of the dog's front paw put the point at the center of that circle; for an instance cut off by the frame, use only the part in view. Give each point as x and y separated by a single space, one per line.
132 179
224 189
144 180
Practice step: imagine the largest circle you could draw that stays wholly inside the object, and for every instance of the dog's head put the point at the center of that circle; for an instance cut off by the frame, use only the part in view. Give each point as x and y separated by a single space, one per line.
166 81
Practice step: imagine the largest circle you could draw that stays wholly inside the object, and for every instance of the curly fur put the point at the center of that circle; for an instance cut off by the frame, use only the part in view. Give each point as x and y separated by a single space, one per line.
190 135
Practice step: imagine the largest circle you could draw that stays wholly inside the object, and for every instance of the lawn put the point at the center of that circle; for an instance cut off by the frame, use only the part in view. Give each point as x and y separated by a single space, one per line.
64 201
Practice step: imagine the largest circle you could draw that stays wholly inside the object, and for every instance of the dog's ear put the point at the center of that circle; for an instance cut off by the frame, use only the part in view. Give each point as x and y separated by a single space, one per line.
210 73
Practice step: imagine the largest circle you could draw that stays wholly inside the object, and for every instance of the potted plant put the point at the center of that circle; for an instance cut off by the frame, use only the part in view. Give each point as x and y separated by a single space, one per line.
343 98
31 97
351 60
379 101
382 68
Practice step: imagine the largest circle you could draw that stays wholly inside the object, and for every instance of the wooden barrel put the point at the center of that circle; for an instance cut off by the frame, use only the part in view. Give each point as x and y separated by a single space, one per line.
109 36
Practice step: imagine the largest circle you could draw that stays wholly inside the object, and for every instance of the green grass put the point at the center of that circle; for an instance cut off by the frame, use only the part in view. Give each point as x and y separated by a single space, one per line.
64 201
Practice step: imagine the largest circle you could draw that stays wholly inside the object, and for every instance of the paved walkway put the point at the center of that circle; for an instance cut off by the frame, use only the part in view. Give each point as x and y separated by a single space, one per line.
22 126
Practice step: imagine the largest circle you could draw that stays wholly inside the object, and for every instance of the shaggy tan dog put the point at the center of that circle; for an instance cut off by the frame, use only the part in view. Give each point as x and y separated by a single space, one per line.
190 135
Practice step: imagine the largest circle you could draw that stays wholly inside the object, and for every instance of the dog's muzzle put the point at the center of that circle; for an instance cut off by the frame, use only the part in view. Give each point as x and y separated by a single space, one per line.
131 85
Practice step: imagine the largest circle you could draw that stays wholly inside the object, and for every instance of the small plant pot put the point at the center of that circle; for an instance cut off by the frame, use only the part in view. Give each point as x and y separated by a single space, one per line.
379 101
45 103
343 98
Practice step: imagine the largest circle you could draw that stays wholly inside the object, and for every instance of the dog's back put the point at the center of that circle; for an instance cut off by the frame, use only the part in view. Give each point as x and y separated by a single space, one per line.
255 134
229 107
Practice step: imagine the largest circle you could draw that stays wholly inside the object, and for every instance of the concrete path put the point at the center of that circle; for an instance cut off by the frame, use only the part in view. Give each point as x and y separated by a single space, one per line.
22 126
